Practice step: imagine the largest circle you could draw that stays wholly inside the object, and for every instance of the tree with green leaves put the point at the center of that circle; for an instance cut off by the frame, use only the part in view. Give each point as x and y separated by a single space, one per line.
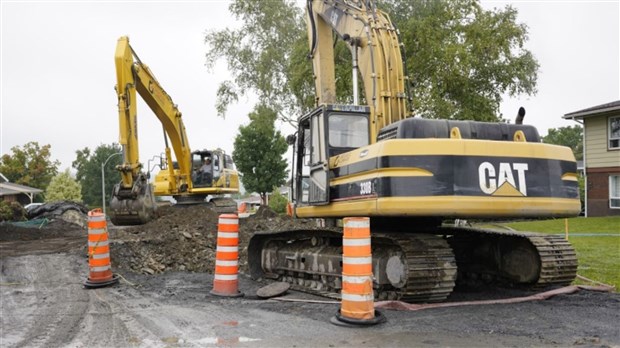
258 152
260 55
88 171
460 58
570 137
567 136
30 165
277 201
63 187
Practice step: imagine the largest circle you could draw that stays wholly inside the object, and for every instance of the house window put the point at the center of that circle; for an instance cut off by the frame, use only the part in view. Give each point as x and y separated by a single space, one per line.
614 132
614 191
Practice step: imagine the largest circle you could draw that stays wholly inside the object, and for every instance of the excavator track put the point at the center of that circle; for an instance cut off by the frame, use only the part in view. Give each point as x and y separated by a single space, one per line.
416 267
408 267
223 205
432 268
220 205
511 258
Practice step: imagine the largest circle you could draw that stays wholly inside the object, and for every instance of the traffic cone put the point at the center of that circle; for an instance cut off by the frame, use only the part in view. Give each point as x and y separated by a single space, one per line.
289 209
98 252
243 208
357 306
225 281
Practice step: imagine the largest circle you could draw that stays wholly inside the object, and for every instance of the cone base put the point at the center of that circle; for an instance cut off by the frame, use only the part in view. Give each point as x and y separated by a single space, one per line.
340 320
217 293
88 284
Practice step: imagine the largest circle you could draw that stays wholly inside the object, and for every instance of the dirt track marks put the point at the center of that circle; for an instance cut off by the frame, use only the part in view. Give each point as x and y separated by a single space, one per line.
50 303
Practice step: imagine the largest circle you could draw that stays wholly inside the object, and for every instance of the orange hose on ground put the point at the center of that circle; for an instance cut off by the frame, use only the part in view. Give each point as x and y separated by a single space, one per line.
399 305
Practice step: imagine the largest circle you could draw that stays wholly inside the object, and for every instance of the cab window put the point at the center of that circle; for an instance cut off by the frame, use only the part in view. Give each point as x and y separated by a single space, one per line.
348 131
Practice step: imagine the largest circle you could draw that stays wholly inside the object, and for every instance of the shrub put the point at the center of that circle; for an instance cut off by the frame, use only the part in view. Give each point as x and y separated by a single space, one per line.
12 211
64 187
277 202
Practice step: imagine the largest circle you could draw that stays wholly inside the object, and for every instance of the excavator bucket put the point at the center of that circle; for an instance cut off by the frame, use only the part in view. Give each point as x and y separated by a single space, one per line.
136 208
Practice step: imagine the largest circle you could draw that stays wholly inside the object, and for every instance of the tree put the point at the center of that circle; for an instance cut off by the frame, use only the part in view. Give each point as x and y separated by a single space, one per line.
88 167
570 137
277 201
63 187
259 54
567 136
30 165
461 59
258 152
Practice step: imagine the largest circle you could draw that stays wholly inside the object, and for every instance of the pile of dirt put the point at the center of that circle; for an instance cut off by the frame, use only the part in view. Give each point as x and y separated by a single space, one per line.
184 238
40 229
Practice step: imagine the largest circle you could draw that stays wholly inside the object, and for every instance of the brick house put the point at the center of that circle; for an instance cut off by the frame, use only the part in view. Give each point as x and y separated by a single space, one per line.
601 154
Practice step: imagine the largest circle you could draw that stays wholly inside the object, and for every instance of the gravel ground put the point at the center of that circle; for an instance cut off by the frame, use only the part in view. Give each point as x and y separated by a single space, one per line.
44 304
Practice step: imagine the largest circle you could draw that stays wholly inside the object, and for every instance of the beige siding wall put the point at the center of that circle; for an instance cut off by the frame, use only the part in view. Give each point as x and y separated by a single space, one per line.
597 154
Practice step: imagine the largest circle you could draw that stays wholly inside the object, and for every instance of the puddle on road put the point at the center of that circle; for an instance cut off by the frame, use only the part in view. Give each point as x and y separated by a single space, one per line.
170 340
224 341
214 341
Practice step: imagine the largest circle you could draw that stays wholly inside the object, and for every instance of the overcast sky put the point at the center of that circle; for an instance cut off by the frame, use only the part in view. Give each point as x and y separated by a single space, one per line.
58 75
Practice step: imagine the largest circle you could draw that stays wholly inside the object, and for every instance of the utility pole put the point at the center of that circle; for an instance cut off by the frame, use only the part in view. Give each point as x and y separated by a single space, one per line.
103 180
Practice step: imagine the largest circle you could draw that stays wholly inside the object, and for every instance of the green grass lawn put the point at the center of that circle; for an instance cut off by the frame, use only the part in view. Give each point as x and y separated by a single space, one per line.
596 240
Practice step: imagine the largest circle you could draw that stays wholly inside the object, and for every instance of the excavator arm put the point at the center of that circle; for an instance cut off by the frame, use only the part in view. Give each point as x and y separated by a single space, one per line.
132 197
376 53
133 75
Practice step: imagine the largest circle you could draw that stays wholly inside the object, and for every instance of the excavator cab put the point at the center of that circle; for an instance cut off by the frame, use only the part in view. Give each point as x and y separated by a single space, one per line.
325 132
200 176
218 163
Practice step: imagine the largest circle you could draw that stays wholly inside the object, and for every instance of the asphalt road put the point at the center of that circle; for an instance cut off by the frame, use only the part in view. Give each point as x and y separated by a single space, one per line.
44 304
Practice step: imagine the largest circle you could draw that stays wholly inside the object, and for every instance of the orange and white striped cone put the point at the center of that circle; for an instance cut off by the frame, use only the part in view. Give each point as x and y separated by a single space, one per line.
100 268
226 280
357 307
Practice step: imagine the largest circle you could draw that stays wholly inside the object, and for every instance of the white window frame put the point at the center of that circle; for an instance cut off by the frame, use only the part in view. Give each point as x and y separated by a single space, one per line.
610 135
613 178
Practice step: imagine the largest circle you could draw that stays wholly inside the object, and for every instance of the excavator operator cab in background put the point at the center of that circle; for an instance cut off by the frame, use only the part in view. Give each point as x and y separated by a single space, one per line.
216 162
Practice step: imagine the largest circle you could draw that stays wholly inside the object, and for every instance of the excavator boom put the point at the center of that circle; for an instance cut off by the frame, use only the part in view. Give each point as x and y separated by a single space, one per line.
376 51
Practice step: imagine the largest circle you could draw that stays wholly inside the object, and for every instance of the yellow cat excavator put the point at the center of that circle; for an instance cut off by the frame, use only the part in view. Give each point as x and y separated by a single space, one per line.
409 174
191 179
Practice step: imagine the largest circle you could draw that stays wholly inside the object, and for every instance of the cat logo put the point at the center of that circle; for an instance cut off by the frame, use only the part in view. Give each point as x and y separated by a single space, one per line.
501 181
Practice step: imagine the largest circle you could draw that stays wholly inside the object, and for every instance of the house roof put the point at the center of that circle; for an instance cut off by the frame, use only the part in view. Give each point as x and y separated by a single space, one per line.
8 188
594 110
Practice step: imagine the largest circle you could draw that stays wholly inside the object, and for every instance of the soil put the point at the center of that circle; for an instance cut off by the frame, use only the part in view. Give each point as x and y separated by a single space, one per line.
166 270
185 239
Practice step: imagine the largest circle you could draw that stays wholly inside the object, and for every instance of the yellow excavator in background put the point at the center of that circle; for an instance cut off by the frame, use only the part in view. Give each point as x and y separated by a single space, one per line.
191 179
408 175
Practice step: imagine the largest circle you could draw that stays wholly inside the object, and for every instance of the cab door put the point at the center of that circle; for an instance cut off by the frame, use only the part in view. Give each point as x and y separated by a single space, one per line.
318 181
310 182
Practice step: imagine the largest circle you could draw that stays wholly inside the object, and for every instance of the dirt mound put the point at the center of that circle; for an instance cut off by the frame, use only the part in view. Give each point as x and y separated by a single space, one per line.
184 238
40 229
264 212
